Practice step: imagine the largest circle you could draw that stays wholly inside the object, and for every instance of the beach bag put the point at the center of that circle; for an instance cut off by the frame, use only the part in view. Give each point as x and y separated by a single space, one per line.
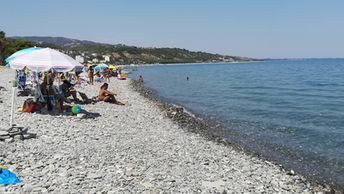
28 105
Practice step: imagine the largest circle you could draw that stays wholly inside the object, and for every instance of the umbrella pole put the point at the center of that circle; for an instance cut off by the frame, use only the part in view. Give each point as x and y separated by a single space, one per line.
14 85
38 95
12 106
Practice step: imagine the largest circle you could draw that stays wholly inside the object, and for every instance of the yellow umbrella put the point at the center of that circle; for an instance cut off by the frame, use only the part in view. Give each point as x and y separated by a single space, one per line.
112 67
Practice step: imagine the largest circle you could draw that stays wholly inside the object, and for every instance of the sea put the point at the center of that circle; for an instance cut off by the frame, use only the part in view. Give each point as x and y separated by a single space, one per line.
287 111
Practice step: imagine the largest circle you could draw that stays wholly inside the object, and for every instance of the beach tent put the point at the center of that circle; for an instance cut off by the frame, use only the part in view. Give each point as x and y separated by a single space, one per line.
101 67
38 60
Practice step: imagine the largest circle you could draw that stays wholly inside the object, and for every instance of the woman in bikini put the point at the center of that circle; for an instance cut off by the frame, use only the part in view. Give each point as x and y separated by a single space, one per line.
107 96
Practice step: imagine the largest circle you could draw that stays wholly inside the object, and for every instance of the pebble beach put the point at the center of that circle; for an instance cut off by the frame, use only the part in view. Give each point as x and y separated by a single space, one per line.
135 148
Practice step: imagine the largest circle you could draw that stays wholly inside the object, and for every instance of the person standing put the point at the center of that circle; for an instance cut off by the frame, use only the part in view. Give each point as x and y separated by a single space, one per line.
107 75
90 75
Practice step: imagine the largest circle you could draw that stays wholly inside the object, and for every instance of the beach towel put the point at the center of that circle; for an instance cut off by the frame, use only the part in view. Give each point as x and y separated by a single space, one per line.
7 177
21 80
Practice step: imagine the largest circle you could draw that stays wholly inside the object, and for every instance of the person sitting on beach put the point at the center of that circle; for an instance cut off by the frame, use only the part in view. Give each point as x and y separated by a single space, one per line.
50 95
77 78
52 75
98 77
66 89
107 96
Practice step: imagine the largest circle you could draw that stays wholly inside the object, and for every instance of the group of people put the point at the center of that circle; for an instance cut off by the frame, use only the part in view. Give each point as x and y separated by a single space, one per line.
53 95
105 74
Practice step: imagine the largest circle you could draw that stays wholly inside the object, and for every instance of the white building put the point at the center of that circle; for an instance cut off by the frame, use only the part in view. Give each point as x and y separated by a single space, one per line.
106 58
95 60
80 59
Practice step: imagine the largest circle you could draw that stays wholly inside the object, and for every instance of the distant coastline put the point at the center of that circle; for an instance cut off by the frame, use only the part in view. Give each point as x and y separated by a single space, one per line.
181 64
93 52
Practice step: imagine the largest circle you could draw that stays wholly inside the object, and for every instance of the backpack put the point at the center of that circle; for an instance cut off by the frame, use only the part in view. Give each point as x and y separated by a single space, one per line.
31 106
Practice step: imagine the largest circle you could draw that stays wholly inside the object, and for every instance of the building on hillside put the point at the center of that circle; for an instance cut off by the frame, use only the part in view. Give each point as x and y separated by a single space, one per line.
80 59
106 58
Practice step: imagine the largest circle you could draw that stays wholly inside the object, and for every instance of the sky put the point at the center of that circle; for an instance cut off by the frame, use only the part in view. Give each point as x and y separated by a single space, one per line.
251 28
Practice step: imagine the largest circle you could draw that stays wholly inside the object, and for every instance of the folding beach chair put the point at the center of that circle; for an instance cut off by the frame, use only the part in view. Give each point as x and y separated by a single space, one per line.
21 77
22 89
87 100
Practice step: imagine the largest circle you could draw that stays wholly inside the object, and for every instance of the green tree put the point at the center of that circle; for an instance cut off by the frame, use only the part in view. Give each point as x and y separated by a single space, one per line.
10 46
16 45
2 47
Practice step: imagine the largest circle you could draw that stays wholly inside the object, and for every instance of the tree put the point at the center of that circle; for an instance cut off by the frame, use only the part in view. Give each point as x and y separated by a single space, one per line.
2 47
13 46
10 46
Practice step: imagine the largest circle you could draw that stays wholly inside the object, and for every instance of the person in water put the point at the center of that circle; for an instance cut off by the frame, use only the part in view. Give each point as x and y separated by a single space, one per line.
107 96
141 79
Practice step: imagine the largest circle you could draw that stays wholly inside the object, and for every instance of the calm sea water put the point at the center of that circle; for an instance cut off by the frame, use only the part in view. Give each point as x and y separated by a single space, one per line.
291 111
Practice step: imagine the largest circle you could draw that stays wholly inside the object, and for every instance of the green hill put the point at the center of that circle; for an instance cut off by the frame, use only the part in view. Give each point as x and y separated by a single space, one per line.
123 54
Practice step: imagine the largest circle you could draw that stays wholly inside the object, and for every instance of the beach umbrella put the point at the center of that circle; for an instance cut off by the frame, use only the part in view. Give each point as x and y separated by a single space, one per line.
101 67
20 53
45 59
39 60
112 67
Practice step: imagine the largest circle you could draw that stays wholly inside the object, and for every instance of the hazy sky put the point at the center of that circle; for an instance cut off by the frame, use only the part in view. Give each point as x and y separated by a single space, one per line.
253 28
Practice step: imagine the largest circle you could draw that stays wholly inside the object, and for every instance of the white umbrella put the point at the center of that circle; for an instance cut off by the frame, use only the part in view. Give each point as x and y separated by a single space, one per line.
45 59
39 60
21 52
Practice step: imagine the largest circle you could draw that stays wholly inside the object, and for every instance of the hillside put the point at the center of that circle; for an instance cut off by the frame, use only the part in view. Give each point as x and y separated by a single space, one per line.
123 54
58 41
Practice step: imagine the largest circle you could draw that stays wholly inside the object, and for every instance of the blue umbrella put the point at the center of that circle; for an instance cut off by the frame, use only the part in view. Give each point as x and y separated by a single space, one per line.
21 52
101 67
